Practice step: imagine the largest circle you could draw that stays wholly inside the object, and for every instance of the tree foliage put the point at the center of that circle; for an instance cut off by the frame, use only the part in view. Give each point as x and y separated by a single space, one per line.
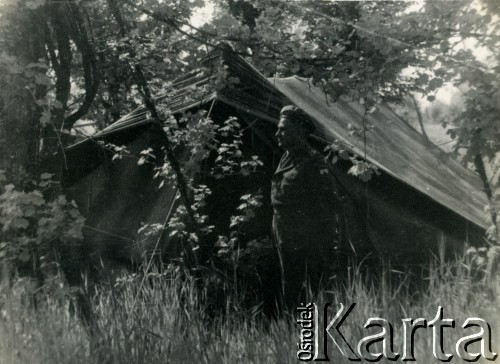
34 223
356 49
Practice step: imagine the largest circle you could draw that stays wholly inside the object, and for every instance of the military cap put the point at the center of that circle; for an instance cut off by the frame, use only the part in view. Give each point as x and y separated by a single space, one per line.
299 116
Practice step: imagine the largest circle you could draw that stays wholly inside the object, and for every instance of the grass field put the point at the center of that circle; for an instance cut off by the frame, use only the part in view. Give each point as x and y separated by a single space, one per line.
163 319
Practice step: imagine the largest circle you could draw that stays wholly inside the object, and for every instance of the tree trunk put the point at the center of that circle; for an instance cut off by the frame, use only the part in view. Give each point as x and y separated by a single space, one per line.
481 170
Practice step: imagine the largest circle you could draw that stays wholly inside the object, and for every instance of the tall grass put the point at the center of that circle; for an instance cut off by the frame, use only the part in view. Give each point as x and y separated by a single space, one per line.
164 319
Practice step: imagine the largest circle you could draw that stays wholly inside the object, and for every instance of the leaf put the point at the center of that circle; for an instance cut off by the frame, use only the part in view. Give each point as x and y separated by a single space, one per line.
20 223
45 118
34 4
57 104
42 79
29 211
24 256
233 80
36 198
10 187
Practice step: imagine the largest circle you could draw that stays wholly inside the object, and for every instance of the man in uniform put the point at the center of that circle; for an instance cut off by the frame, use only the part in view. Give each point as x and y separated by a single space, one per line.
305 209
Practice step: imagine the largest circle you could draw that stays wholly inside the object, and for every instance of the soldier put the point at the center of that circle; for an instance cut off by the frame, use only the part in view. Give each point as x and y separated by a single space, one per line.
306 208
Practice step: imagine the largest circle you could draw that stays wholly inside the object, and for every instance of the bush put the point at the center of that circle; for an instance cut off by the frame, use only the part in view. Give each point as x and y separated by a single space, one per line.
34 222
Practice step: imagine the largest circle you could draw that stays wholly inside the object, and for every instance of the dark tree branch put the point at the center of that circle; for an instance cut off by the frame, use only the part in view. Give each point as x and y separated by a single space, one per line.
63 71
50 48
174 163
172 24
419 117
180 179
481 170
36 44
117 14
177 26
473 34
90 65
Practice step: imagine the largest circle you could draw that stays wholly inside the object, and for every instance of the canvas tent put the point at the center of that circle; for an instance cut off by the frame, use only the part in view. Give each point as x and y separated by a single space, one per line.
421 196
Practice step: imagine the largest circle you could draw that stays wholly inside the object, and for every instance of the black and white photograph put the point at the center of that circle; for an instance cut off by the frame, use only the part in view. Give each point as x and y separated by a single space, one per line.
249 181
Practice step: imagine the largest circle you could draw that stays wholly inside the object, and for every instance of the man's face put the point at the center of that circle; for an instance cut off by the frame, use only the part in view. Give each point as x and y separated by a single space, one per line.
289 134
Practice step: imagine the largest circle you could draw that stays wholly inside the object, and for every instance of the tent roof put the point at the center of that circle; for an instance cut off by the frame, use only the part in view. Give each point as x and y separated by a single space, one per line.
392 145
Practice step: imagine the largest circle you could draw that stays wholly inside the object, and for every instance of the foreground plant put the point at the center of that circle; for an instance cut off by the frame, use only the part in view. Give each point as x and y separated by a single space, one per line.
167 318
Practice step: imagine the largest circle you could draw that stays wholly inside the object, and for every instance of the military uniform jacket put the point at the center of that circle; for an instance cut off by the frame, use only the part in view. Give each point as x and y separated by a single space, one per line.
303 196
